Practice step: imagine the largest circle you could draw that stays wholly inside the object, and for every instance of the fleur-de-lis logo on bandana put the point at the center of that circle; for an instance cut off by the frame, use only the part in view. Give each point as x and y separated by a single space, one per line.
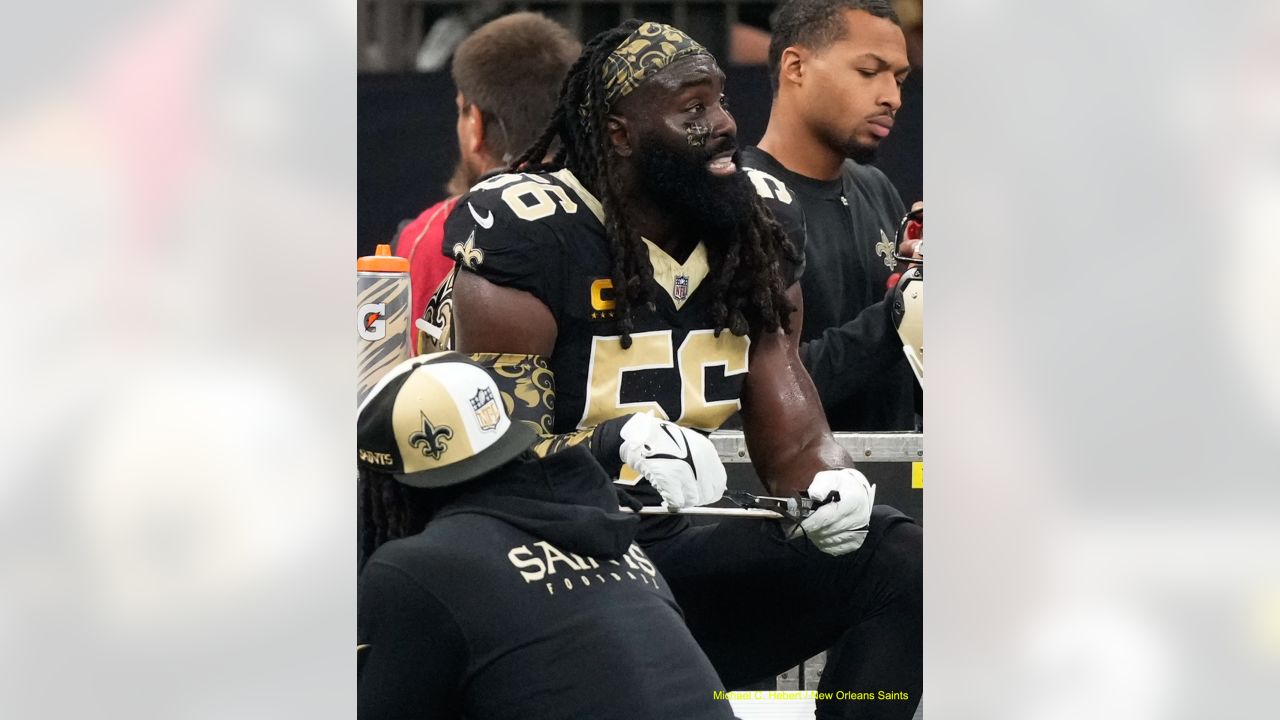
467 254
884 249
431 439
647 50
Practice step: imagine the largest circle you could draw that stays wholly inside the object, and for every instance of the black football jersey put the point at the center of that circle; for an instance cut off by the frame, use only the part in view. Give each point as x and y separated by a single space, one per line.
542 233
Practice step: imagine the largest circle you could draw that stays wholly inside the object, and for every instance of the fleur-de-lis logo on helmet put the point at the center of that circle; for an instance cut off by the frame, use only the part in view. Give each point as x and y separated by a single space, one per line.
467 253
431 439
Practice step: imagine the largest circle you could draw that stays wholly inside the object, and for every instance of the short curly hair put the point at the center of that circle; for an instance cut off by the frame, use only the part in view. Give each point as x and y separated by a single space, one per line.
815 24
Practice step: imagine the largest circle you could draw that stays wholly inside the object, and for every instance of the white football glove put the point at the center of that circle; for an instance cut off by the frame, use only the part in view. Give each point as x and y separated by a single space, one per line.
840 527
681 463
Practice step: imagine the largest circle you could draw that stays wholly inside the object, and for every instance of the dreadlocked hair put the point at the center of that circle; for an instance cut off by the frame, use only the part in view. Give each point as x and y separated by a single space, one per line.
388 510
749 283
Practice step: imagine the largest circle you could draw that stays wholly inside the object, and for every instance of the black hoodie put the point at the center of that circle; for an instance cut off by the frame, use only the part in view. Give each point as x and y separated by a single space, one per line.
526 597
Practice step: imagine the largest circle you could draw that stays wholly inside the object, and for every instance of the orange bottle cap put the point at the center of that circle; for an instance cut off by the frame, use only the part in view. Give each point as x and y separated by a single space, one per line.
382 261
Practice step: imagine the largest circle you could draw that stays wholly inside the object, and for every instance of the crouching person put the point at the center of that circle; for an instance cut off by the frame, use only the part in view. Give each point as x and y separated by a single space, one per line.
496 584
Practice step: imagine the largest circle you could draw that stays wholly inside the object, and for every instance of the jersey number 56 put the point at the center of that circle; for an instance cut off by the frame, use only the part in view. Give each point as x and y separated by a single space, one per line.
656 350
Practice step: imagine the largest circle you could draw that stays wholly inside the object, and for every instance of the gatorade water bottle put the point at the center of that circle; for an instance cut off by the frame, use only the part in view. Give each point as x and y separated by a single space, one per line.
382 316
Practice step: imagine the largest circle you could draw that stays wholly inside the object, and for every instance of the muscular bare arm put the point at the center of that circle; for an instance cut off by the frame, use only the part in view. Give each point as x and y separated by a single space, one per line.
786 431
492 318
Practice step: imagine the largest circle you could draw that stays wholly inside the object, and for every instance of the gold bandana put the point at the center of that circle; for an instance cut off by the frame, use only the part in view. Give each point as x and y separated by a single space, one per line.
650 48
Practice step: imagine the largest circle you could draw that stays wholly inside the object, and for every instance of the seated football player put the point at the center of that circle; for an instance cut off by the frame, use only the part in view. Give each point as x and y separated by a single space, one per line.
635 292
502 585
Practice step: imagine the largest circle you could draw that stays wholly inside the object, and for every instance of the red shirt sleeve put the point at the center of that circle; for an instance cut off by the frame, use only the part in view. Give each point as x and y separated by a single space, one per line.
420 243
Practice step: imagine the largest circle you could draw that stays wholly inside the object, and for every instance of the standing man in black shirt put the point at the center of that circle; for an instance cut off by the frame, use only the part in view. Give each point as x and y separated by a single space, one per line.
501 585
837 68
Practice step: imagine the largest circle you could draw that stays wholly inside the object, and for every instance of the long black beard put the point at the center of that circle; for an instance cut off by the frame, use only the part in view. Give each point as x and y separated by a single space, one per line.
680 183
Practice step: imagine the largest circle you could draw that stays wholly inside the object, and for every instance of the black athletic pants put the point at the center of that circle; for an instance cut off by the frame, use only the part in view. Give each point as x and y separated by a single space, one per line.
759 604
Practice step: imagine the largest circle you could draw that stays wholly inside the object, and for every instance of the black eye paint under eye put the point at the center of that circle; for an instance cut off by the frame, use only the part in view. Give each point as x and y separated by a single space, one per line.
696 133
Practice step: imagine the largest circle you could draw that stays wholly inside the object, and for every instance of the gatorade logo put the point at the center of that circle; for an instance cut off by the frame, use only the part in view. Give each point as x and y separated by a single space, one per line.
371 321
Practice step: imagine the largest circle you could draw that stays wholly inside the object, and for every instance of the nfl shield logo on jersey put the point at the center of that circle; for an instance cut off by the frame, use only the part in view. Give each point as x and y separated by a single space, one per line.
681 290
486 409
